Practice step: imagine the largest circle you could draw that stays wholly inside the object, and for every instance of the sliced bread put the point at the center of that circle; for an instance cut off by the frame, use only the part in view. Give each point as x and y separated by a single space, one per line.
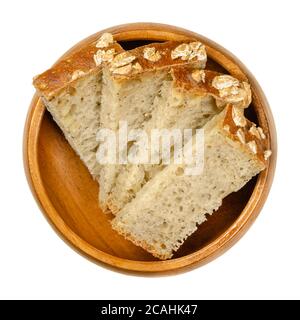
170 206
71 91
187 100
131 81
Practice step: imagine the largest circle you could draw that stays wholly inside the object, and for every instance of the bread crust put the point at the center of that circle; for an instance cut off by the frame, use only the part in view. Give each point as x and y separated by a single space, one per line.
259 139
165 51
60 76
55 79
183 79
140 243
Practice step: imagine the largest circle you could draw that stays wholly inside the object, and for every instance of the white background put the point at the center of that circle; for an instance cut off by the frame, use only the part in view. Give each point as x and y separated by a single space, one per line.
36 263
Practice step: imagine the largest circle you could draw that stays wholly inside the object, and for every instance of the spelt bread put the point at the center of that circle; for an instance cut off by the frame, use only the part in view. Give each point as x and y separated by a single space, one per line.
131 81
189 99
71 91
170 207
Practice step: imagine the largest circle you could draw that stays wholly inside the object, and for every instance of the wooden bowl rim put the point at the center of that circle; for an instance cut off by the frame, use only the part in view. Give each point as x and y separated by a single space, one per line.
154 31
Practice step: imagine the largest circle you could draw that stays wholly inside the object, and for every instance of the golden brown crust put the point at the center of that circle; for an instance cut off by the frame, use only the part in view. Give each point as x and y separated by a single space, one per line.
82 62
247 133
163 57
50 82
183 79
202 82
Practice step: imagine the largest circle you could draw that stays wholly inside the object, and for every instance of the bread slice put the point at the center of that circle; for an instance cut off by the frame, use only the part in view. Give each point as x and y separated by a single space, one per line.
71 91
170 207
188 100
131 81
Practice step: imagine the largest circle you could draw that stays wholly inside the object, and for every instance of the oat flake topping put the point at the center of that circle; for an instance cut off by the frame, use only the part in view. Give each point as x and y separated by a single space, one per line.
188 51
122 59
105 40
151 54
224 81
252 146
231 90
241 135
198 75
103 56
261 133
123 70
77 74
267 154
238 117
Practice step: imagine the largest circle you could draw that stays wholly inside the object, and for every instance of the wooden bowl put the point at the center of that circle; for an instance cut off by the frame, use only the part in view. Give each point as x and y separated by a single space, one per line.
67 195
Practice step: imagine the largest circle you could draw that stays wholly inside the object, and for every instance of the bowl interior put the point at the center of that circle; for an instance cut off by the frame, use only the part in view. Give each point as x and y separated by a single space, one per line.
74 194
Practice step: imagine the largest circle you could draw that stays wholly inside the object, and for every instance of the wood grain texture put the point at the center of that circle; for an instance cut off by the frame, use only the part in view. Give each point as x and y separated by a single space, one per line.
67 195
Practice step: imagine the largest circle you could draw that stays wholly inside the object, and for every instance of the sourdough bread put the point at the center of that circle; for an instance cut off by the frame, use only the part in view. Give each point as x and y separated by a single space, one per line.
170 206
131 81
71 91
161 85
188 100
